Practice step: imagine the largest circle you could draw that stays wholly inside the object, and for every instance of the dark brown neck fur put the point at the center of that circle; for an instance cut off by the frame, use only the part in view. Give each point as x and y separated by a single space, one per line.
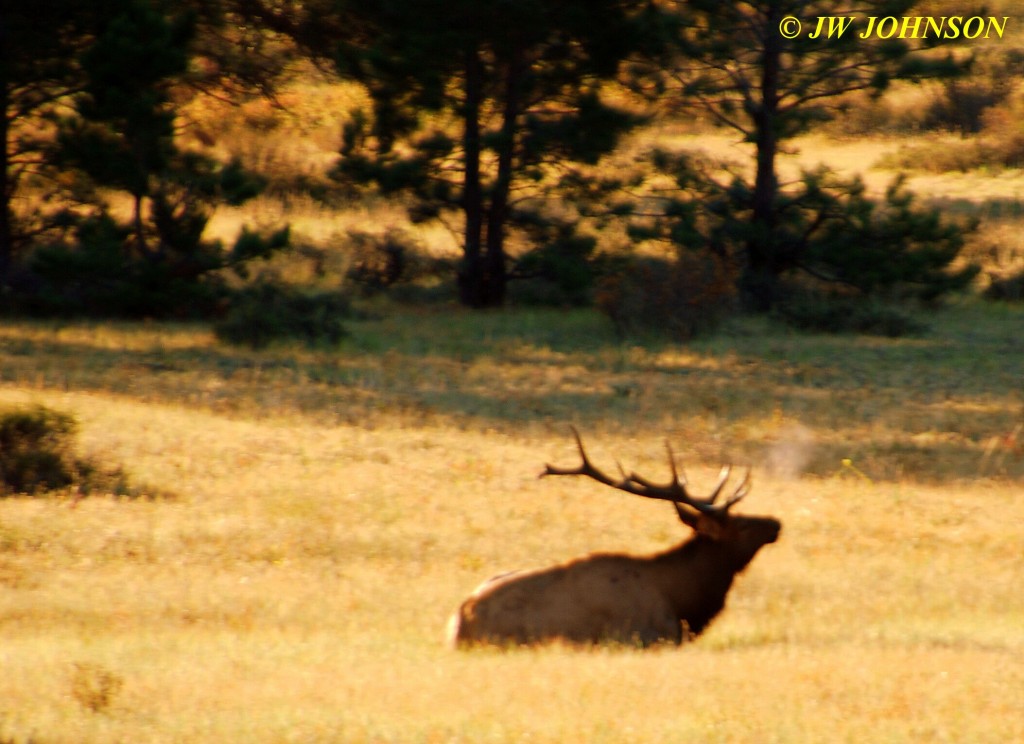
696 577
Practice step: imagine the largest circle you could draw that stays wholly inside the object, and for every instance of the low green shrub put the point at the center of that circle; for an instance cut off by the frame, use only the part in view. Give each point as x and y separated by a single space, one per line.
36 450
269 312
1009 288
395 262
829 313
37 456
559 272
98 272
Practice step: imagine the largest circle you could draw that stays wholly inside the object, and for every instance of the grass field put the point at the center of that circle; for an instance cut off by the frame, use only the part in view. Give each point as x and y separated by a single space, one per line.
318 514
333 507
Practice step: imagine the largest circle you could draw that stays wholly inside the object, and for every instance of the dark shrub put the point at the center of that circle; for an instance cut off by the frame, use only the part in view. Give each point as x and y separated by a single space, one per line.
395 262
99 272
95 276
559 272
1010 288
682 297
36 450
379 262
37 455
829 313
268 312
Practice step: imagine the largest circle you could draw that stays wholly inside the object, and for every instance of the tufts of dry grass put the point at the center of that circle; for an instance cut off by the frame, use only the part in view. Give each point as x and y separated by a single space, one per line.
336 506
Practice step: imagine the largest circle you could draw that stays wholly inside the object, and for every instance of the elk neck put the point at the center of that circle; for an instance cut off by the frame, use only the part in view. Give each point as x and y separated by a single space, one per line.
695 577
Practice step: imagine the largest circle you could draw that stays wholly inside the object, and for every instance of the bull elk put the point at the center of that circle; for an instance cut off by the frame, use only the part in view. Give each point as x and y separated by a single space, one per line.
666 597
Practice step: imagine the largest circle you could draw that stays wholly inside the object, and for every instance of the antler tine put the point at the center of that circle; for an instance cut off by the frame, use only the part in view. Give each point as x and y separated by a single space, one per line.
633 484
723 476
674 491
742 490
585 467
672 464
672 461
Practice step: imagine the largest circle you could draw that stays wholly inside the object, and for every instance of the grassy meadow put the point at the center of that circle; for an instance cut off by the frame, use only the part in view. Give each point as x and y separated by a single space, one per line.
331 508
322 512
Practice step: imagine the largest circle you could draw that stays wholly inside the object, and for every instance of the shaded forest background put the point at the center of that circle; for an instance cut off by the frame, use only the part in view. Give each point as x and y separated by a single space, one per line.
264 164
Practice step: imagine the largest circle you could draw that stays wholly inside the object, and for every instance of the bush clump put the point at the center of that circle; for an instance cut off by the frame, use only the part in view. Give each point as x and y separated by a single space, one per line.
396 262
830 313
268 312
37 456
683 297
1009 288
99 272
561 271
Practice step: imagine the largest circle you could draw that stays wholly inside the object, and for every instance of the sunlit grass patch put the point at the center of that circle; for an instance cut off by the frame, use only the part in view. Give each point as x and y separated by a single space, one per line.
334 507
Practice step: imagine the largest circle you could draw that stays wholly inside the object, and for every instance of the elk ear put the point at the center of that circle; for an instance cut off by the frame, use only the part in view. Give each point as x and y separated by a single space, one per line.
709 527
703 524
686 516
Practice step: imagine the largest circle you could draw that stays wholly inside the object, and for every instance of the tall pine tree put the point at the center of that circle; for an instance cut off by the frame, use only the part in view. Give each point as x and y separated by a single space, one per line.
40 44
121 139
740 67
477 105
123 136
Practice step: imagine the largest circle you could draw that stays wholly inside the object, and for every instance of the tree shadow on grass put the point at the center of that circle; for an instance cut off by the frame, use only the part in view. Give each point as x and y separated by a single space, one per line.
938 408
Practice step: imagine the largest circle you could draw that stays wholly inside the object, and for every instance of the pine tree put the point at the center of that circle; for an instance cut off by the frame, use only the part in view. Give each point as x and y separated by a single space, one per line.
40 43
123 137
52 51
122 140
476 105
740 68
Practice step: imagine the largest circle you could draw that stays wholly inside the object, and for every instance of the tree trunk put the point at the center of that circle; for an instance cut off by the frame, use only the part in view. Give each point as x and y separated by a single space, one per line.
138 226
759 282
6 187
471 277
494 258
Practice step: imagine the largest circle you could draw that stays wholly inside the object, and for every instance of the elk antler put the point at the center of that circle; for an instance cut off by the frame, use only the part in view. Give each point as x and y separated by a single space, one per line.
674 491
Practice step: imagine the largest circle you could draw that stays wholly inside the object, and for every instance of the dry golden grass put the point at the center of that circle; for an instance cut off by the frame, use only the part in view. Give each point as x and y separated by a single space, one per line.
334 507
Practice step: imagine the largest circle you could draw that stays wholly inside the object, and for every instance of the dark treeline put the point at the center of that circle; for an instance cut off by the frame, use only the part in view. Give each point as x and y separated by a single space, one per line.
503 117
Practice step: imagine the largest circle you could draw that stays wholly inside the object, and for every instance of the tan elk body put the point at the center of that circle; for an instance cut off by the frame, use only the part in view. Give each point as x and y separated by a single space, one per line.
667 597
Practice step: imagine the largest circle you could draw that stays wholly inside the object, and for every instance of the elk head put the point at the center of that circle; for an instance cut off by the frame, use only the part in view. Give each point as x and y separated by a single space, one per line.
744 535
